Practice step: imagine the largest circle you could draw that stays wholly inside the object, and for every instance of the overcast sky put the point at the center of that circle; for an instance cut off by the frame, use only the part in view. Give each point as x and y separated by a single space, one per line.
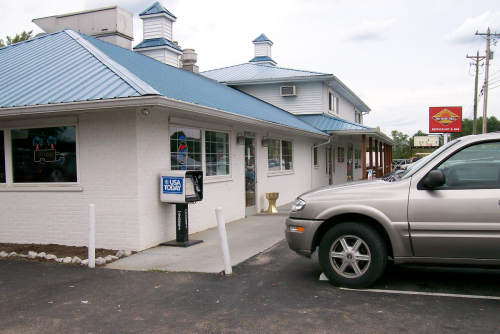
400 57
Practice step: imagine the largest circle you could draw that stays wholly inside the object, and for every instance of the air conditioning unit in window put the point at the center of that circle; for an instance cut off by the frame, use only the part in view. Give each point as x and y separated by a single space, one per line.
288 91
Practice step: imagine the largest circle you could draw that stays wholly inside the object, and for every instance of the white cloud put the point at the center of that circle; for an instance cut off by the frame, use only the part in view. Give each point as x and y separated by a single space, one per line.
466 32
370 30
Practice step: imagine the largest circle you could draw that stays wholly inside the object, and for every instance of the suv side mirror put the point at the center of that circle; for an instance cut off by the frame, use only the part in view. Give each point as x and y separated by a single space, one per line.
434 179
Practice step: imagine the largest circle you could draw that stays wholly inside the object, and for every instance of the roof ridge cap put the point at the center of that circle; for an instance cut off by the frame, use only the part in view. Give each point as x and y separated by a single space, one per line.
135 82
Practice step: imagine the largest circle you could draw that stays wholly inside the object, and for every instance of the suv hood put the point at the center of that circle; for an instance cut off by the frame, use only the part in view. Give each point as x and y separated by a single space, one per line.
343 186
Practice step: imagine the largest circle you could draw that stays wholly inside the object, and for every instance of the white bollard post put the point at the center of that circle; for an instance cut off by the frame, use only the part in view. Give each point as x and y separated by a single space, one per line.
91 246
223 241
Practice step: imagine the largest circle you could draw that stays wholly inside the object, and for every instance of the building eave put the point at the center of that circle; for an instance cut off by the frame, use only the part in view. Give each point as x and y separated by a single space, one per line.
150 102
373 133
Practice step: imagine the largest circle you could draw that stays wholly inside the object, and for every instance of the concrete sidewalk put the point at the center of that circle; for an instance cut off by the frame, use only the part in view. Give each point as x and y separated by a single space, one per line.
246 237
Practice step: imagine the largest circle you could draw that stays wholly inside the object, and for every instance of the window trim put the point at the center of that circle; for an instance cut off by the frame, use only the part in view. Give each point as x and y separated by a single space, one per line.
211 178
9 184
281 171
333 101
341 157
315 157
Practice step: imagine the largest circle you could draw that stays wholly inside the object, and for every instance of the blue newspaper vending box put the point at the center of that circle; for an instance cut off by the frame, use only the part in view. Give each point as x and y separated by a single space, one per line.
181 187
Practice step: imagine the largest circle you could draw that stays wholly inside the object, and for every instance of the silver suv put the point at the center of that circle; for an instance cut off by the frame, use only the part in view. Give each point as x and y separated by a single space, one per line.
445 210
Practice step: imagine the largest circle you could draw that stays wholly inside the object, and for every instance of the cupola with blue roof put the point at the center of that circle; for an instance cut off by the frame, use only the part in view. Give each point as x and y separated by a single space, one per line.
158 36
263 51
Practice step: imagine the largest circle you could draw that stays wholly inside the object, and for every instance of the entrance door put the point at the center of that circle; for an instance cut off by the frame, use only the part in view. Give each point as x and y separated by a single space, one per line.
349 162
330 163
250 177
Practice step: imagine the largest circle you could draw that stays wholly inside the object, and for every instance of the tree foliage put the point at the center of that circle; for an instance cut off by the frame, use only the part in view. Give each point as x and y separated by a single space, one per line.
492 125
18 38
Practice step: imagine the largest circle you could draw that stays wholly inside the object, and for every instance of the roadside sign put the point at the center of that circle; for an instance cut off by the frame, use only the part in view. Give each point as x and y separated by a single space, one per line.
445 119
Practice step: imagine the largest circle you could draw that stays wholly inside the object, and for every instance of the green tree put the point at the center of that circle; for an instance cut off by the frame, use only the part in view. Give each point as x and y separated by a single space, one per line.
18 38
402 150
492 125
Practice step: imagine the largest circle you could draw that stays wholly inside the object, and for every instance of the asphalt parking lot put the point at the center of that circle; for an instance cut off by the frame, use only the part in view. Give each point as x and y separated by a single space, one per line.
276 291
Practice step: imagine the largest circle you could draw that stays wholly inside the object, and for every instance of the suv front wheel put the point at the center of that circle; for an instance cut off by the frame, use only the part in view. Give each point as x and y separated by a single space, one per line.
352 255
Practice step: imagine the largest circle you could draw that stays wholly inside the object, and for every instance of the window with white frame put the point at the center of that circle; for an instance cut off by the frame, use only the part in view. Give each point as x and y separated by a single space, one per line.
186 150
280 155
42 155
341 156
216 153
333 103
315 156
357 158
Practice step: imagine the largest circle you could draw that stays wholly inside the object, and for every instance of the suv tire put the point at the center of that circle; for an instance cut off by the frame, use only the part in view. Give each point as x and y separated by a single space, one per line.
352 255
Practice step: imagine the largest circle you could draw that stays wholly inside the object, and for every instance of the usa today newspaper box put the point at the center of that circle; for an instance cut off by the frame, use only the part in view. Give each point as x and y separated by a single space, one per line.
181 187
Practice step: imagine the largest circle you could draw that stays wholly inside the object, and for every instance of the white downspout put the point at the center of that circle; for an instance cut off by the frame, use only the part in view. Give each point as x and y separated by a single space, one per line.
312 158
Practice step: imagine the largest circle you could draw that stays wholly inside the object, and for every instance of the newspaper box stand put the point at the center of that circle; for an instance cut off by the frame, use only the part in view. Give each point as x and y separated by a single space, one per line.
181 187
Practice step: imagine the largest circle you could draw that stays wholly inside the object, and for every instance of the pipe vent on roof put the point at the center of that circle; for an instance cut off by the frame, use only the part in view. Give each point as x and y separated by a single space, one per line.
189 59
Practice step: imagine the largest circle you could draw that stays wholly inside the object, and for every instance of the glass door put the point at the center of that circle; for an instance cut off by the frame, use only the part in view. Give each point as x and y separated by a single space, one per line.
349 162
250 177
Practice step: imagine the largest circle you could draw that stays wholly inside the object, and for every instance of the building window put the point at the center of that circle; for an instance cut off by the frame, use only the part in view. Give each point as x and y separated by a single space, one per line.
340 156
217 153
44 155
315 156
186 150
357 158
333 103
279 155
2 158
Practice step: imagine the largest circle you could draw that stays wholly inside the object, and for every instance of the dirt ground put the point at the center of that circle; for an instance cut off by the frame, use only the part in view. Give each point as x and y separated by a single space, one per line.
60 251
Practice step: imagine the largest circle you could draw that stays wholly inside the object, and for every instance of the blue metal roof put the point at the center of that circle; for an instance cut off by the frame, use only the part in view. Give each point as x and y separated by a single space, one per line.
261 58
187 86
152 42
262 38
326 123
56 68
248 71
67 66
156 8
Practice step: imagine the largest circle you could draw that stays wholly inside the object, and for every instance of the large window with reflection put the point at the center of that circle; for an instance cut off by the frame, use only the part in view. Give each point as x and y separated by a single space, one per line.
217 153
280 155
42 155
186 150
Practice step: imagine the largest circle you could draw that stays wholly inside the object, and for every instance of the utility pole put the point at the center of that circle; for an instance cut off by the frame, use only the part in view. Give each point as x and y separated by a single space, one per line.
477 59
485 104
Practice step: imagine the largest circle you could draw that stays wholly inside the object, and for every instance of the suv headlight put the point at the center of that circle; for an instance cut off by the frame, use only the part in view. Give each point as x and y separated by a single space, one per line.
298 205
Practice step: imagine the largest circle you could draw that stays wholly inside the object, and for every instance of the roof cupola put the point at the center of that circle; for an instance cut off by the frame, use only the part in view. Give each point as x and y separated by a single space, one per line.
263 51
158 37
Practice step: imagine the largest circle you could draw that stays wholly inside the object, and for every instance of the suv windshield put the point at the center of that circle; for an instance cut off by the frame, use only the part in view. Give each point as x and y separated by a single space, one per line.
422 162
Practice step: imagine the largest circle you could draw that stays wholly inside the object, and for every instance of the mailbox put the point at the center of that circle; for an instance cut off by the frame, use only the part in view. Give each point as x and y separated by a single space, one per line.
181 186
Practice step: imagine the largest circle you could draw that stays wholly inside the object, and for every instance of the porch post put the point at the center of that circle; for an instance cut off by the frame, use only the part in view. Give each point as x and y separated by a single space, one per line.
390 155
363 156
386 156
370 148
376 158
380 152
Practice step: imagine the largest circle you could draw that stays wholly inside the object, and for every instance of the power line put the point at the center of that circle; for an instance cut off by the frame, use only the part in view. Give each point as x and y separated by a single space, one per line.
491 12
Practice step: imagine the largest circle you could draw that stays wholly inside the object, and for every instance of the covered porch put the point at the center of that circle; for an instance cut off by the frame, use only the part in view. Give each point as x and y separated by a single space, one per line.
379 151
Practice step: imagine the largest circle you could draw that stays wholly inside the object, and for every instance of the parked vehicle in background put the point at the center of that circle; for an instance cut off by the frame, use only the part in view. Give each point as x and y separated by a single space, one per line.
444 209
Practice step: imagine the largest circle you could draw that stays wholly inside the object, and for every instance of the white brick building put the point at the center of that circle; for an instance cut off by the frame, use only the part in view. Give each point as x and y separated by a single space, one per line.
84 122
